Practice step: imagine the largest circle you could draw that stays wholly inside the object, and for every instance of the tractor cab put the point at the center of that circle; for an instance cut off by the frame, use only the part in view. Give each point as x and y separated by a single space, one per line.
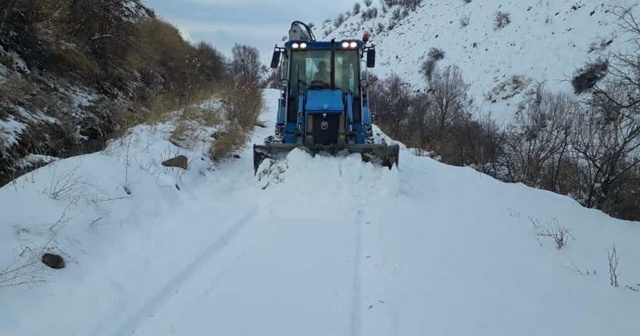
317 66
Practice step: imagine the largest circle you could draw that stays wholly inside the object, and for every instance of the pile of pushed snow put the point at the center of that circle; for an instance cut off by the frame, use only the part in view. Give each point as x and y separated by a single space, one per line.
544 41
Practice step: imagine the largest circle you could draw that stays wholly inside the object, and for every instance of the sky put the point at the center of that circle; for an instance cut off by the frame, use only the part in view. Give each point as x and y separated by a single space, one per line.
258 23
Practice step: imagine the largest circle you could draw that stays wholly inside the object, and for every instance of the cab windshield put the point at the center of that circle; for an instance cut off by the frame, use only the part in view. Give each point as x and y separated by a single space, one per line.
313 68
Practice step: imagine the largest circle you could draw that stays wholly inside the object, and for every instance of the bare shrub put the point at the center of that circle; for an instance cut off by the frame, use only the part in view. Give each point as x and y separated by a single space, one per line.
464 21
599 46
241 104
368 2
356 8
191 122
501 19
240 107
436 54
612 256
410 4
396 15
559 234
589 75
65 187
429 64
227 141
339 20
18 274
370 13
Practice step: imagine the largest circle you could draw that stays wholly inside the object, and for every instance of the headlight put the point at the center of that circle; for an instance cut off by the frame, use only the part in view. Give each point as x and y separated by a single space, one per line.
353 44
295 46
303 45
345 44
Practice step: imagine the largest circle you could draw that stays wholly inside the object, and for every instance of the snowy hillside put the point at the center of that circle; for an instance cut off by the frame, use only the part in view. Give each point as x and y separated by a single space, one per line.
543 41
46 109
320 246
69 80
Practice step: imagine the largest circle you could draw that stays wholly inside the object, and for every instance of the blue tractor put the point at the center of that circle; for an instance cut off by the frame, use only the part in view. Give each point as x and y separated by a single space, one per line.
323 107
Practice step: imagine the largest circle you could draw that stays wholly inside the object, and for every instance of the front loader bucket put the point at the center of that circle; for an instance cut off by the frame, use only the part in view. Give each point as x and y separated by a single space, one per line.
270 151
384 155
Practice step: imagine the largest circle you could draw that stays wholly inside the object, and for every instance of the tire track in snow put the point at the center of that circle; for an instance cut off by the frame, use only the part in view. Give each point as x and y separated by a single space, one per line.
356 309
377 314
134 321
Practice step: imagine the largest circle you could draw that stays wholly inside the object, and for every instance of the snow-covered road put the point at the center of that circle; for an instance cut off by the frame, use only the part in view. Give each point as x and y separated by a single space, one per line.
329 246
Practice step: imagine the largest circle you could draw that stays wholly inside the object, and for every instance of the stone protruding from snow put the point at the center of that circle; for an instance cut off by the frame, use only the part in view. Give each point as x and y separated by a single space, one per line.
179 161
53 260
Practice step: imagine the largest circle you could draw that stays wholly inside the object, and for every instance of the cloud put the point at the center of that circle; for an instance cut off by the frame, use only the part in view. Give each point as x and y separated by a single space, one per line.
206 26
236 2
259 23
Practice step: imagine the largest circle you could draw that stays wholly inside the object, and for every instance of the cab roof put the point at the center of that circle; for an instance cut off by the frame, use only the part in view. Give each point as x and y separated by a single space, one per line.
323 45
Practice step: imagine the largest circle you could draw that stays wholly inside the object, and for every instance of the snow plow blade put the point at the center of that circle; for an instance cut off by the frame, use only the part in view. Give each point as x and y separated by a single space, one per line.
384 155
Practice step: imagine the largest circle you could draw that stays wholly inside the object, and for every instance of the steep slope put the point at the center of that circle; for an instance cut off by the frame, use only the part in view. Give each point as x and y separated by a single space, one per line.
543 41
319 246
73 73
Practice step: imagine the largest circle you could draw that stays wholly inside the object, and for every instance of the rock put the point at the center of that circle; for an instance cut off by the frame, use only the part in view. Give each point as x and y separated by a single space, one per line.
236 156
53 260
179 161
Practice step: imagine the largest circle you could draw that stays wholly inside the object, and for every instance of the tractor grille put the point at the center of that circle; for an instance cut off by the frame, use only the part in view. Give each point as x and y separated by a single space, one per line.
326 129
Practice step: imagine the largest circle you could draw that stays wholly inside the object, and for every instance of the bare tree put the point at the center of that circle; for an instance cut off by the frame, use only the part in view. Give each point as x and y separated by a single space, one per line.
449 93
245 65
391 103
539 137
607 142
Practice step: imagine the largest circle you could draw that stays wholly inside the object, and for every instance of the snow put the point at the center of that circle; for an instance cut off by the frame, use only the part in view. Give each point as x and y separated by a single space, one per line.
18 63
10 130
546 41
3 73
135 10
83 98
319 246
35 117
211 104
33 159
